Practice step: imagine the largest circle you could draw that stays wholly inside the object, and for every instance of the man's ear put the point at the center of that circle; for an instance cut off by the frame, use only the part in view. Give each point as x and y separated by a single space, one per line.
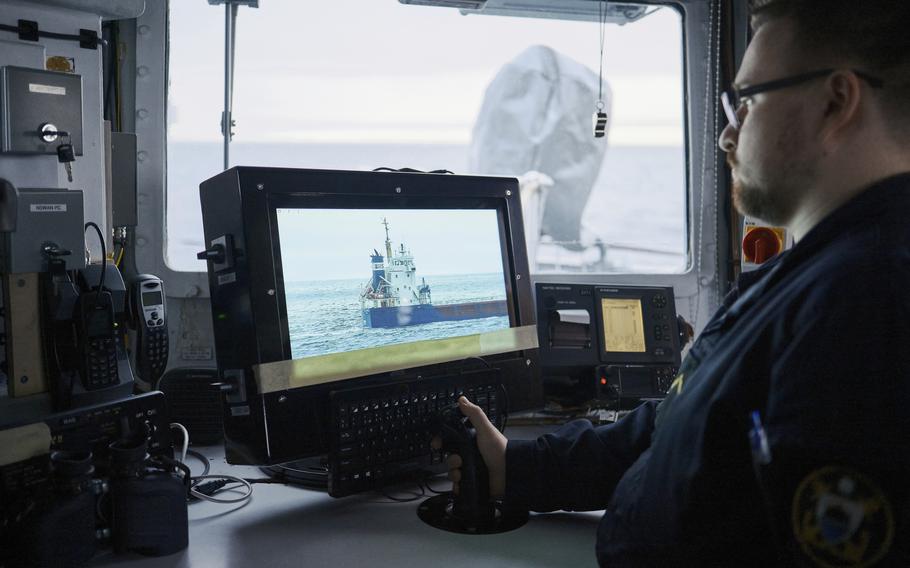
842 108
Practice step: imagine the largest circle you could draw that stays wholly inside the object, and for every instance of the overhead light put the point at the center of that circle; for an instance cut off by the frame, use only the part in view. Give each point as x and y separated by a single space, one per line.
587 10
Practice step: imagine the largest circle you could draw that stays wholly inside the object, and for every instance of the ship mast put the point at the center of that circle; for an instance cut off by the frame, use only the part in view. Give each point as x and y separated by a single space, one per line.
388 241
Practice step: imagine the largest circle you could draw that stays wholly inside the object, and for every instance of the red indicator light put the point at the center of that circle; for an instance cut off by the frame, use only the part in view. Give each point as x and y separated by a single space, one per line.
603 381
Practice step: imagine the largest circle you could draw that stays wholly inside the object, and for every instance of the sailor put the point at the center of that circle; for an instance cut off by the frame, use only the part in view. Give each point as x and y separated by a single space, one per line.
785 438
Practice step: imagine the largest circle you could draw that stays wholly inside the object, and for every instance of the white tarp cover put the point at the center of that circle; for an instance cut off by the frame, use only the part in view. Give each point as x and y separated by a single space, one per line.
536 116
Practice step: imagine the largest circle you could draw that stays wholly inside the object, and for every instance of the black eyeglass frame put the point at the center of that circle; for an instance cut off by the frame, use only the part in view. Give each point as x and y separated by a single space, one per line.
731 99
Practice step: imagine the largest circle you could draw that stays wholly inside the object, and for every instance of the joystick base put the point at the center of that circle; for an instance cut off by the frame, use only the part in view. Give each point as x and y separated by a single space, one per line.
438 512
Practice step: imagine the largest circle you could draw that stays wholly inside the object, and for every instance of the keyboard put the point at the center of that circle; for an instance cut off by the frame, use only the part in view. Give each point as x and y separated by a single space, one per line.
382 433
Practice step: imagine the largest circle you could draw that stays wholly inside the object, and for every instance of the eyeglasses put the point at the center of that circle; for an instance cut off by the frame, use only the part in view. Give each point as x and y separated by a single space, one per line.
732 98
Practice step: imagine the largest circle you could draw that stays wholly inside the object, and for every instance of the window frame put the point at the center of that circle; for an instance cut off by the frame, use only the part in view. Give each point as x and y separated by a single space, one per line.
699 288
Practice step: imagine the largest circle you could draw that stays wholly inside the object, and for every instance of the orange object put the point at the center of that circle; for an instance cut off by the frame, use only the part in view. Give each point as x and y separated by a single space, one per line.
760 244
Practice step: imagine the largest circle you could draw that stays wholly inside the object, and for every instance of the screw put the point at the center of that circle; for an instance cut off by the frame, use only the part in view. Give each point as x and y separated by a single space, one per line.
508 193
282 399
528 362
23 379
518 277
270 292
397 190
260 186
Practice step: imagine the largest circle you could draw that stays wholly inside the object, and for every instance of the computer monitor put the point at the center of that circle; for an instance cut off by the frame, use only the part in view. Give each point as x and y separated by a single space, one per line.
306 265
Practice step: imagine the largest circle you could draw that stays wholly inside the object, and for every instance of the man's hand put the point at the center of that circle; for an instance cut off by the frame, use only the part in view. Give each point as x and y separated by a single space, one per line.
490 442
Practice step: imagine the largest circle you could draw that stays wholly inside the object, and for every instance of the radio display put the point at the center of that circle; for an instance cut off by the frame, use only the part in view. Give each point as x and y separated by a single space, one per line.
151 298
623 325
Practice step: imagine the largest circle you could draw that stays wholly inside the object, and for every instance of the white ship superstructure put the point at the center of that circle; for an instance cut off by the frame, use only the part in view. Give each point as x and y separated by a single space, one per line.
394 281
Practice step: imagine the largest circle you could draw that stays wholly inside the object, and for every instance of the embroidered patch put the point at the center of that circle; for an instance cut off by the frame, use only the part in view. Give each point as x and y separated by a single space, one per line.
842 518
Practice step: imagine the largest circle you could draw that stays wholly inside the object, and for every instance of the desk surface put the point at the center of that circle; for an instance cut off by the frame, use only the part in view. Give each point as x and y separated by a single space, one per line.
290 526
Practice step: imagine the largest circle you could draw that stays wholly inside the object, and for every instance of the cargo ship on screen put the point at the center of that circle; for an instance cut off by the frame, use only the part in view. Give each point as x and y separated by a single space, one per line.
393 298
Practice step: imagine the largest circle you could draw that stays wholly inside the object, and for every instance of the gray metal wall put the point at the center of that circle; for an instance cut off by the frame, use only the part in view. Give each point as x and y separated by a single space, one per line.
65 16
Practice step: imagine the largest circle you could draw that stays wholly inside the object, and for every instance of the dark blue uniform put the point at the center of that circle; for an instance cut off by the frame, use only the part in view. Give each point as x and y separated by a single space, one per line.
817 341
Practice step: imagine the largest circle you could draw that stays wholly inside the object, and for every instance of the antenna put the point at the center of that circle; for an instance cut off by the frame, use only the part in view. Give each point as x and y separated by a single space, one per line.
388 241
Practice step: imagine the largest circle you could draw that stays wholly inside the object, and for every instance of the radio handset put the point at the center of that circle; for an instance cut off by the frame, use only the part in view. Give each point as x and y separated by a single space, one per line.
150 317
97 334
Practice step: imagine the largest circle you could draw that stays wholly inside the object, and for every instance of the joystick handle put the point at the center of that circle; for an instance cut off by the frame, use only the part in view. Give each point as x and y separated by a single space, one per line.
473 500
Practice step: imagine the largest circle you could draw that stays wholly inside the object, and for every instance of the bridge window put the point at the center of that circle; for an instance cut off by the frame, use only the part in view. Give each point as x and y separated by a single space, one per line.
361 84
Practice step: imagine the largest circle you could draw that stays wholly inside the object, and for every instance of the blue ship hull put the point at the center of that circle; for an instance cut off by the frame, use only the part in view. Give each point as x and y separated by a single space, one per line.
401 316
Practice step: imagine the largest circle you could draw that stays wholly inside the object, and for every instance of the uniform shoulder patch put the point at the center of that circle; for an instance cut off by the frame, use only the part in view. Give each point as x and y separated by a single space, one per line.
842 518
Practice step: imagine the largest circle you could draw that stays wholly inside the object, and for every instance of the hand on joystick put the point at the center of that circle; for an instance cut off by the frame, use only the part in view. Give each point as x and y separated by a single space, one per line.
491 444
477 466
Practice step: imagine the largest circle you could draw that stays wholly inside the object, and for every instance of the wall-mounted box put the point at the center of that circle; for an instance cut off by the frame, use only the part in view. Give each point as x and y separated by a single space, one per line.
33 98
44 216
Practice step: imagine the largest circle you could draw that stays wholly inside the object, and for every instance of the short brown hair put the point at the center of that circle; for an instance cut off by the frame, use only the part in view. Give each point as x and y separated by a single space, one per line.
870 35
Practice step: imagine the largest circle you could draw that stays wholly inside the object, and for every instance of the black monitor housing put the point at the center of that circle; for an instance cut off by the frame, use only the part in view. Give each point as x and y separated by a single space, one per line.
249 309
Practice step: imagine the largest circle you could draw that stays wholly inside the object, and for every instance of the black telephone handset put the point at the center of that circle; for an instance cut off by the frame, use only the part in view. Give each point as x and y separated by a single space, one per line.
150 315
98 337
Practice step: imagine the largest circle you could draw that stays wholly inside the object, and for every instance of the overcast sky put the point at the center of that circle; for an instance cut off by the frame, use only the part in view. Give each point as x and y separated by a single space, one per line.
328 244
380 71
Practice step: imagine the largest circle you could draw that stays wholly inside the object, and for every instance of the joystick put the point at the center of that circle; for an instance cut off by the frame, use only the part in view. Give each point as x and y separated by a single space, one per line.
472 511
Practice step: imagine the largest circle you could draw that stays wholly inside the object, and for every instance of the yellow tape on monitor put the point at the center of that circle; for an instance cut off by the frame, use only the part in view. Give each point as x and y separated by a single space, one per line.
309 371
24 442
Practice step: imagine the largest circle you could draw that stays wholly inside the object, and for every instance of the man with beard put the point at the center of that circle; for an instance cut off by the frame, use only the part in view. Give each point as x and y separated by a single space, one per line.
785 438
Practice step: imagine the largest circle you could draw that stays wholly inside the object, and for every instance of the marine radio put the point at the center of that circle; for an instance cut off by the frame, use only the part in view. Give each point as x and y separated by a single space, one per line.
618 344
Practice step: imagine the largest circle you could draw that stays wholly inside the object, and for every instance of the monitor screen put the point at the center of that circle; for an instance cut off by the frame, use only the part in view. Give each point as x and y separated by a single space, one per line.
360 278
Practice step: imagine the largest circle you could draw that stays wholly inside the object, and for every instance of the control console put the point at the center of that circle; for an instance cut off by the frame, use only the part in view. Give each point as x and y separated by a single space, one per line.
614 343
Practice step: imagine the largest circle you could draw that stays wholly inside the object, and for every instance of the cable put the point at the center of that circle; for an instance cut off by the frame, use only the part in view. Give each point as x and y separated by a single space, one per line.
425 481
206 464
267 480
195 492
88 37
481 359
103 256
186 440
221 482
410 171
416 497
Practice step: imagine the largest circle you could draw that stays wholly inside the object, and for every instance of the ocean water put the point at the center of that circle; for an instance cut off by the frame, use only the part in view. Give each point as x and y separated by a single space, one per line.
325 316
637 207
